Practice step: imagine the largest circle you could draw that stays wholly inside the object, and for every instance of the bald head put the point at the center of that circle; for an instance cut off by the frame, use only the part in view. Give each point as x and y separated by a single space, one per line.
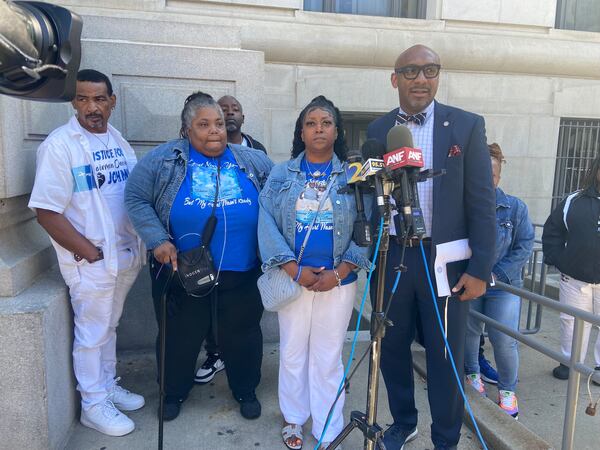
234 117
416 52
229 100
416 77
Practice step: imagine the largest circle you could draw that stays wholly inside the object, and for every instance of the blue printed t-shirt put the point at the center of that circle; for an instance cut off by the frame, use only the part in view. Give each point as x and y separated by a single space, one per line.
236 211
319 248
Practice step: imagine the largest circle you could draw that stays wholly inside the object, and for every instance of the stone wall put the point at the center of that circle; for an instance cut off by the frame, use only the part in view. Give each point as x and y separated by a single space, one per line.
152 68
522 113
37 387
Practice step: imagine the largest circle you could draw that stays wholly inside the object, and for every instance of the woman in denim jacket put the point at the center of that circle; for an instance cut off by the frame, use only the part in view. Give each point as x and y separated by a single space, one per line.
313 327
169 197
514 242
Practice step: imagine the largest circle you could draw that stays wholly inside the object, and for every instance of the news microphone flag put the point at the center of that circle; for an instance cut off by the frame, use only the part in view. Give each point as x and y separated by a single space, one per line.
370 167
403 157
400 150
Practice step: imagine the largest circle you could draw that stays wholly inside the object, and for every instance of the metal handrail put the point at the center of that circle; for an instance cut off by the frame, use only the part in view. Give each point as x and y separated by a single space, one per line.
541 288
531 269
551 303
576 348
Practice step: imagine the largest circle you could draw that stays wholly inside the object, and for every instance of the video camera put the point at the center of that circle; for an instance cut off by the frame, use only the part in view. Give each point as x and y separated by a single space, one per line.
40 51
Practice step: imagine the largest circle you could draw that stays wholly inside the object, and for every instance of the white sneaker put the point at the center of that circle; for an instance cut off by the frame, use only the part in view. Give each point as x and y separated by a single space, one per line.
107 419
123 399
213 365
474 379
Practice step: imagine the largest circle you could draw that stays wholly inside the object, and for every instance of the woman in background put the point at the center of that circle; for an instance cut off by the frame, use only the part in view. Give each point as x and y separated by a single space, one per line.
571 243
514 242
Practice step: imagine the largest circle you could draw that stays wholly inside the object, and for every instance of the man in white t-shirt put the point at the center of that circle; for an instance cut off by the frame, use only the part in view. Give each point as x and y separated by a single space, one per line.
78 195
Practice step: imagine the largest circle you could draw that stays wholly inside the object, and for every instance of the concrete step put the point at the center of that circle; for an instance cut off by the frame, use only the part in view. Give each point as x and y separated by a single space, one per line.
499 430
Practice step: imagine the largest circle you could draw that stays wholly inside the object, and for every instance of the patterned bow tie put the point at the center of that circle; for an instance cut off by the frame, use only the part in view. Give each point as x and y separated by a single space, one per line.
419 118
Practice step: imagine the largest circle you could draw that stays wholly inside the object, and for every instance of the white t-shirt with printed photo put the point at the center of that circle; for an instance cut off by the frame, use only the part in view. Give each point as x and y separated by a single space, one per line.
65 182
111 173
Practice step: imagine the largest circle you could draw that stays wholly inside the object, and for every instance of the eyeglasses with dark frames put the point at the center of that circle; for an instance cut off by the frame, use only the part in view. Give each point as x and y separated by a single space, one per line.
412 72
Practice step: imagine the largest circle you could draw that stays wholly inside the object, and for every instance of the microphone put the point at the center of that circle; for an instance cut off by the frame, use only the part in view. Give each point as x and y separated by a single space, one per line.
371 167
361 233
372 152
400 151
355 163
403 163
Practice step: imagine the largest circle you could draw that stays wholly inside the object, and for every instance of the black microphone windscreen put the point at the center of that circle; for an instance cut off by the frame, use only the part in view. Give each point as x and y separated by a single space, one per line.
372 148
398 137
354 155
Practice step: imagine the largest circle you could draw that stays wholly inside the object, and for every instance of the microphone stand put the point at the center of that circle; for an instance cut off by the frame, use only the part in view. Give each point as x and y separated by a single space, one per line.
413 227
366 422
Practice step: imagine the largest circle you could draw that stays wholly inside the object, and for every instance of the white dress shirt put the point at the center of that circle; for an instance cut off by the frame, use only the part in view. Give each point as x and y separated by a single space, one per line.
422 139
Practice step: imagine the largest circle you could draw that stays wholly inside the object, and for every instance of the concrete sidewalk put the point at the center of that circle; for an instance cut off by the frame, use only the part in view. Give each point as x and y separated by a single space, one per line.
210 418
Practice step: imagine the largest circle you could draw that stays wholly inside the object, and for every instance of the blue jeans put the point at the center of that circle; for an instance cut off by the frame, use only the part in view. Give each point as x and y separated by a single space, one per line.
503 307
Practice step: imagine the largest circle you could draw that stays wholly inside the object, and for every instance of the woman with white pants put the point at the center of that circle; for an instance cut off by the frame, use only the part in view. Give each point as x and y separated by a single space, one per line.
313 333
307 192
585 296
571 242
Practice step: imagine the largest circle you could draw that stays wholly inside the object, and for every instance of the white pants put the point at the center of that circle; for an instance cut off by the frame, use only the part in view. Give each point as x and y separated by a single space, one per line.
97 301
312 333
585 296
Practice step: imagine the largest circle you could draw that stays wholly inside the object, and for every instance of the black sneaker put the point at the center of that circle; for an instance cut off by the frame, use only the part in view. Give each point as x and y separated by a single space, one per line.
209 368
561 372
171 410
597 369
395 437
249 406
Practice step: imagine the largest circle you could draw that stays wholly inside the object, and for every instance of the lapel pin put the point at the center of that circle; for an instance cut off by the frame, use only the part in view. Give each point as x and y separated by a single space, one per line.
446 123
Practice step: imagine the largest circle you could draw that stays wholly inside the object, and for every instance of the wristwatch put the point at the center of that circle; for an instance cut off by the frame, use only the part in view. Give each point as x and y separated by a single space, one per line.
99 256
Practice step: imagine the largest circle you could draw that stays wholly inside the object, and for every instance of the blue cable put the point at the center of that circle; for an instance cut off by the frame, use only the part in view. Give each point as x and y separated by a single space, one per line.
354 340
439 319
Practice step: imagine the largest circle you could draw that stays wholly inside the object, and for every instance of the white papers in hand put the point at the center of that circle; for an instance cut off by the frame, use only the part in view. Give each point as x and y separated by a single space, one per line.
446 253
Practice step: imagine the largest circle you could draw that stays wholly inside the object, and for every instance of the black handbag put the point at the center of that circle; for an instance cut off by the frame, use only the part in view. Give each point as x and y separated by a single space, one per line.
195 267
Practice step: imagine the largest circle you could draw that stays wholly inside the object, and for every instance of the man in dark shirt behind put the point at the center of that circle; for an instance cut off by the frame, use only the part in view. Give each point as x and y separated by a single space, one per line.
234 119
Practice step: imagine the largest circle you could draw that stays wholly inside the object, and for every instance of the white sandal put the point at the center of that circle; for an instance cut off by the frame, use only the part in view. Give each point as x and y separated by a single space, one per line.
292 430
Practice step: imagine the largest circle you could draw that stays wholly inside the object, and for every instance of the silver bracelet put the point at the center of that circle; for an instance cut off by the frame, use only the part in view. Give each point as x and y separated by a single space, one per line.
337 277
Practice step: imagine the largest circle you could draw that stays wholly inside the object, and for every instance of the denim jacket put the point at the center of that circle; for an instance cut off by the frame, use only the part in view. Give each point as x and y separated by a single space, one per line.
156 179
277 216
514 238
